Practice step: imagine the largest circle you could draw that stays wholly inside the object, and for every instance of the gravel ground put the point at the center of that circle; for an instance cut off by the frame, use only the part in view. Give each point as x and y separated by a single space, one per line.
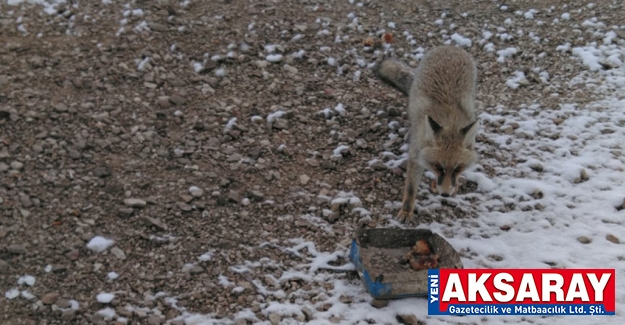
189 133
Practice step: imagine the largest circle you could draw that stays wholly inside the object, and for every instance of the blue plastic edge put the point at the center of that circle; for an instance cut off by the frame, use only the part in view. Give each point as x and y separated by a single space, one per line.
376 289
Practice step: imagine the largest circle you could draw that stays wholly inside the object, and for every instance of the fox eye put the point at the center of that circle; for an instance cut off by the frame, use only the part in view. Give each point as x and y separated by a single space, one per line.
439 168
458 169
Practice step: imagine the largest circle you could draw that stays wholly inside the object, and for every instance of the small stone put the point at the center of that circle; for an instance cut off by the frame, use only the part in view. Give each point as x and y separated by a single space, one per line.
281 124
177 100
58 268
196 191
186 198
157 27
303 179
508 130
613 239
118 253
379 166
256 196
196 269
68 315
73 254
345 299
4 267
25 201
101 171
135 203
155 222
537 167
409 319
558 120
184 207
126 212
50 298
275 319
60 107
234 157
16 165
163 102
290 69
155 320
378 303
72 153
584 240
63 303
234 196
171 313
16 249
583 175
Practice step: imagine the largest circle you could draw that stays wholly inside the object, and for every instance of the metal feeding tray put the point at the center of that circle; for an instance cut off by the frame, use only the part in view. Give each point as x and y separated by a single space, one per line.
377 255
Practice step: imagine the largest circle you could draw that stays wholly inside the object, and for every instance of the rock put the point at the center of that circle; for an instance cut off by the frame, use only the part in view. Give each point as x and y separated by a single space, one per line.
25 201
171 313
155 320
281 124
274 318
50 298
234 196
59 107
379 166
163 102
16 165
378 303
345 299
16 249
126 212
155 222
584 240
177 100
613 239
196 191
58 268
157 27
234 157
68 315
303 179
409 319
583 175
256 196
73 254
63 303
184 207
118 253
196 269
101 171
135 203
4 267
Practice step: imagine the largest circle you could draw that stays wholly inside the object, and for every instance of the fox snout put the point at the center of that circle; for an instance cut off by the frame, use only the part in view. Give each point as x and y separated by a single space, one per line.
446 184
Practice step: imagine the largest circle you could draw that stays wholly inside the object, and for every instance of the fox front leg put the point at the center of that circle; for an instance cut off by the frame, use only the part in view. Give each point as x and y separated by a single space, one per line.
413 177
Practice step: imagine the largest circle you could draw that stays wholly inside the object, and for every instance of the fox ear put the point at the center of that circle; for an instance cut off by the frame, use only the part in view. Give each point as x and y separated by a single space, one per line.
434 126
469 133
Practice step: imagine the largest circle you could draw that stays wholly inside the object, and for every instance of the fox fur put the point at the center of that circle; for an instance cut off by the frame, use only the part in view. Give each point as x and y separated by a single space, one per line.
443 119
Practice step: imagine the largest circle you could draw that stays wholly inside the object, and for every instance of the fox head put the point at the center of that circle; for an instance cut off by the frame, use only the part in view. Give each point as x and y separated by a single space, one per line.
448 152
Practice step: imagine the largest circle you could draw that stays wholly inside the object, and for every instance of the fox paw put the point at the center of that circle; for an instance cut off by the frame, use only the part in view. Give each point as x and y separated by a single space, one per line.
404 216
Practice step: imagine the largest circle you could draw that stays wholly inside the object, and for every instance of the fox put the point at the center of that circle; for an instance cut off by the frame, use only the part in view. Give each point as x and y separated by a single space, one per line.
442 116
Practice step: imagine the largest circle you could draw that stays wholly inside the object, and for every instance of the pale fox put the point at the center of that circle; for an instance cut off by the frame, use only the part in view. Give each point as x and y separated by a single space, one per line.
442 116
